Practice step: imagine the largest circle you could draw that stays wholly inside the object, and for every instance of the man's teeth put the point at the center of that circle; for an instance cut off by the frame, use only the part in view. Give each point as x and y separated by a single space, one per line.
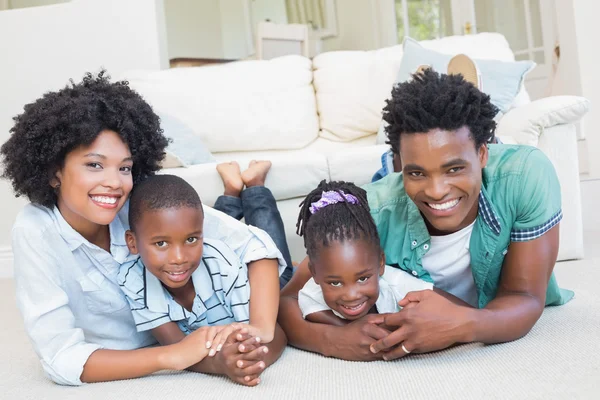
177 273
444 206
105 199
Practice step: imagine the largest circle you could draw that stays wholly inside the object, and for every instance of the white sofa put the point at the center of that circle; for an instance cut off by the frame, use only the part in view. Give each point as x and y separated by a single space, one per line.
317 119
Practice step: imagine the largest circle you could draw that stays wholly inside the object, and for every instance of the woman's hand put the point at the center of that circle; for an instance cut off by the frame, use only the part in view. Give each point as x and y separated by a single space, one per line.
218 334
190 350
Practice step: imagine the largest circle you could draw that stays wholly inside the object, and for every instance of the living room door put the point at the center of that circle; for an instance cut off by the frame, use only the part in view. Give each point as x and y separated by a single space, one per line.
528 25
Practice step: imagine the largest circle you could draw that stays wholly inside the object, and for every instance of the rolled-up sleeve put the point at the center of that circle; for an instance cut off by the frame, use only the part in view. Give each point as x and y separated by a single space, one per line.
248 242
44 305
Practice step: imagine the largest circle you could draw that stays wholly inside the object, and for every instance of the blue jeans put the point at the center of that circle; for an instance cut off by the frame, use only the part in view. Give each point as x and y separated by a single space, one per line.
257 205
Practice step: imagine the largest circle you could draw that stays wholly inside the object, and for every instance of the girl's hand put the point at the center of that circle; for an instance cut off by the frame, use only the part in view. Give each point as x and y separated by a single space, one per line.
218 335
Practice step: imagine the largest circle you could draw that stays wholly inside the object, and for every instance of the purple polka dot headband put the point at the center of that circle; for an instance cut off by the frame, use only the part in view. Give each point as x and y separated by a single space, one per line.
332 197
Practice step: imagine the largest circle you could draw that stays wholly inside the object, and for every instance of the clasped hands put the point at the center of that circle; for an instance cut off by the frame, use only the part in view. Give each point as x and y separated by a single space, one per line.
427 322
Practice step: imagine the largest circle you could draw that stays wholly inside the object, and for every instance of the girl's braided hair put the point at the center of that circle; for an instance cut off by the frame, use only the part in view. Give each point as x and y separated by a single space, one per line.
335 222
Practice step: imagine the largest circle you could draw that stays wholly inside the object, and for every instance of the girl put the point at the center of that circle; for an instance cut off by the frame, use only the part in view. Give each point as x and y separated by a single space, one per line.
76 154
349 275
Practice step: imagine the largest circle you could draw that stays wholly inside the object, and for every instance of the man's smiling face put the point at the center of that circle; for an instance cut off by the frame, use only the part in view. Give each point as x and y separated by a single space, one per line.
442 175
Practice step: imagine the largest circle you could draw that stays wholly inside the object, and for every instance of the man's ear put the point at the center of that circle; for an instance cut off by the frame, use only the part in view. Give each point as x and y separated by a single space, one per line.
483 155
131 243
381 263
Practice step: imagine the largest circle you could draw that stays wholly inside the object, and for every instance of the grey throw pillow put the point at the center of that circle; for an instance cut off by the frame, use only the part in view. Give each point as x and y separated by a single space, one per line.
186 148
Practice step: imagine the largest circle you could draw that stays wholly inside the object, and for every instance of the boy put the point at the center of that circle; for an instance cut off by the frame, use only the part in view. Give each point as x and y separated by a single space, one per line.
181 281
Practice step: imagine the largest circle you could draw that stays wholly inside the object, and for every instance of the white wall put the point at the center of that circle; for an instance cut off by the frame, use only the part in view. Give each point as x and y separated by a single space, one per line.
49 45
33 3
213 29
577 74
193 29
273 10
363 25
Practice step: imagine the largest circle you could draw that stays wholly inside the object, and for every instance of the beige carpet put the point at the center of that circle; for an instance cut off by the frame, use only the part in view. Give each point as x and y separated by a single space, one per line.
559 359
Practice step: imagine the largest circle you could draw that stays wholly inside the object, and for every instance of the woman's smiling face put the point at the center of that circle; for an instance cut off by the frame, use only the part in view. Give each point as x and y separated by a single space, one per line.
94 181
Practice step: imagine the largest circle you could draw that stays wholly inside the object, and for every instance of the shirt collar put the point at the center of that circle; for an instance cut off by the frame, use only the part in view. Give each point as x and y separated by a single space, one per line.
417 229
155 295
158 298
117 228
488 214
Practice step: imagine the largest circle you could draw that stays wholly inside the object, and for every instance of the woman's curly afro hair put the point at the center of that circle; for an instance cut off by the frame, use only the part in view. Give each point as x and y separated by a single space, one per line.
438 101
74 116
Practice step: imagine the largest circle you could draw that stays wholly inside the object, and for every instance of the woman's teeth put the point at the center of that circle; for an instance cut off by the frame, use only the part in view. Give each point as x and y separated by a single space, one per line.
104 199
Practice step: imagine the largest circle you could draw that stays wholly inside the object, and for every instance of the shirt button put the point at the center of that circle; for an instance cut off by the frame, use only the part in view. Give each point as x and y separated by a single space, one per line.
415 273
414 242
425 246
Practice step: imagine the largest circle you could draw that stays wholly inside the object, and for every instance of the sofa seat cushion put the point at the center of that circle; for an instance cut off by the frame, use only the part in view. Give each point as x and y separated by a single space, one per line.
356 164
240 106
320 146
292 174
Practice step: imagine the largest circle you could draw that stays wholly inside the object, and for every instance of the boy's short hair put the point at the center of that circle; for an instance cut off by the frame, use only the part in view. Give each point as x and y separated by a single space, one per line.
63 120
160 192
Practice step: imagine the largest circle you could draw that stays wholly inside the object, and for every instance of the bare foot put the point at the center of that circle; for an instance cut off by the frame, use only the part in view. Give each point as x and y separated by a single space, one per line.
231 177
256 173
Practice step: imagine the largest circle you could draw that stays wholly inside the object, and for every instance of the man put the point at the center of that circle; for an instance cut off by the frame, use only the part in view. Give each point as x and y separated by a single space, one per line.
478 220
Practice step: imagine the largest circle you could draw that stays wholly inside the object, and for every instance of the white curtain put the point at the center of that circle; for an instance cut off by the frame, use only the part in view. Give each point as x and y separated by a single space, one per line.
311 12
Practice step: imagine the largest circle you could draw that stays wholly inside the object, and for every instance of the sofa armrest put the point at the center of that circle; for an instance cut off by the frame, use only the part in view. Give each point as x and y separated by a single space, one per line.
526 123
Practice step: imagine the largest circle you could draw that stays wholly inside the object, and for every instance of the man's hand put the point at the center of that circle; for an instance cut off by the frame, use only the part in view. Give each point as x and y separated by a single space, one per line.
353 341
242 358
429 323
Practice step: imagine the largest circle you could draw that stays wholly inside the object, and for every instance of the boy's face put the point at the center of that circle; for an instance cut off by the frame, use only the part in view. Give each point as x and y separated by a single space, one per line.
442 176
169 242
348 274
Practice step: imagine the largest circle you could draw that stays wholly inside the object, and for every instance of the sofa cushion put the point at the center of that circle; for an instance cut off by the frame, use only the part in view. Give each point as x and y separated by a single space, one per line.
240 106
352 86
292 174
528 122
356 165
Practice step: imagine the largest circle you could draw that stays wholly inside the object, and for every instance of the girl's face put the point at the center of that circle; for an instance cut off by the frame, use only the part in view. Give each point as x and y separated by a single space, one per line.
348 274
94 182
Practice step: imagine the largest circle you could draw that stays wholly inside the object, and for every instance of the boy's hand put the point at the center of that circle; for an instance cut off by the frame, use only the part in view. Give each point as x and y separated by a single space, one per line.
264 335
242 358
